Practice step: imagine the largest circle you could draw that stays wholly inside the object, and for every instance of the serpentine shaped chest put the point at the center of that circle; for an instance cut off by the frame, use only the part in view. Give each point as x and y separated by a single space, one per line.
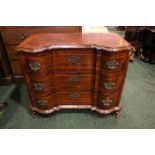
75 71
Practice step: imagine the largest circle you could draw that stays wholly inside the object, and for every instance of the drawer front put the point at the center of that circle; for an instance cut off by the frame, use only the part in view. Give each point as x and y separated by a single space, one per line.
74 58
107 100
37 65
71 88
110 81
46 102
78 73
43 87
15 35
78 51
75 97
41 76
74 61
113 62
76 104
75 80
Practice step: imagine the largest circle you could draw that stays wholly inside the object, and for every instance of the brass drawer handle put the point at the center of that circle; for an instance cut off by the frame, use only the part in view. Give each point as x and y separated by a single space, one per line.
107 102
109 85
38 86
74 95
34 66
74 79
42 103
112 64
73 59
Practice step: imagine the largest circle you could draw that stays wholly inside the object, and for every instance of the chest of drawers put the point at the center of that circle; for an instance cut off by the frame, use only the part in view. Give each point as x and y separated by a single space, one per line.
85 71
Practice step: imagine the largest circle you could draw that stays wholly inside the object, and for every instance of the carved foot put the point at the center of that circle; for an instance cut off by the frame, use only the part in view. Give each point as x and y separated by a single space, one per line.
34 114
117 114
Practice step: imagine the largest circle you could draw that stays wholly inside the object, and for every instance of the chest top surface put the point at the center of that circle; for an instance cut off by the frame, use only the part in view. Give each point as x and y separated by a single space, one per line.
46 41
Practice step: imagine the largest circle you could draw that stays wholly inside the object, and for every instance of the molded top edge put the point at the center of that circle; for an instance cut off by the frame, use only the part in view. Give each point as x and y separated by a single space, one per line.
46 41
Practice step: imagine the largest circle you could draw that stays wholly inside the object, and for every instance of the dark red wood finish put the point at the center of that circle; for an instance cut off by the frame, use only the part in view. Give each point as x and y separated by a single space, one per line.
75 71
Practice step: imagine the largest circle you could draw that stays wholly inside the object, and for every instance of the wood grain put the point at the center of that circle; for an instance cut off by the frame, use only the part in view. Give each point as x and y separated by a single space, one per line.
41 42
90 74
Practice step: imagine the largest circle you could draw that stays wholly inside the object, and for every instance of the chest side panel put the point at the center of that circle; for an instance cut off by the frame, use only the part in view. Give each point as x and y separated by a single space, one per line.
112 74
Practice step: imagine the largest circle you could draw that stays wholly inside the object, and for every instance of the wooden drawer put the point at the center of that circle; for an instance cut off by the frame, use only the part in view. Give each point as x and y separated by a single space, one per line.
36 65
78 72
110 81
45 102
80 62
81 51
75 97
74 58
15 35
75 80
113 62
71 88
40 76
107 100
43 87
75 68
78 105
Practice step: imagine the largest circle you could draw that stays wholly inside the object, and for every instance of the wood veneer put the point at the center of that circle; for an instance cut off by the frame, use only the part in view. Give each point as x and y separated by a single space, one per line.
75 71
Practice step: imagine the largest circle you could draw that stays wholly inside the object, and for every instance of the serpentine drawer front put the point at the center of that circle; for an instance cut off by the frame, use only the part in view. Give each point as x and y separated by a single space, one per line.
85 71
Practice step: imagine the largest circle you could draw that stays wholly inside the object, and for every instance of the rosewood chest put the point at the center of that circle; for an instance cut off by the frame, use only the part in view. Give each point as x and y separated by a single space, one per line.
85 71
